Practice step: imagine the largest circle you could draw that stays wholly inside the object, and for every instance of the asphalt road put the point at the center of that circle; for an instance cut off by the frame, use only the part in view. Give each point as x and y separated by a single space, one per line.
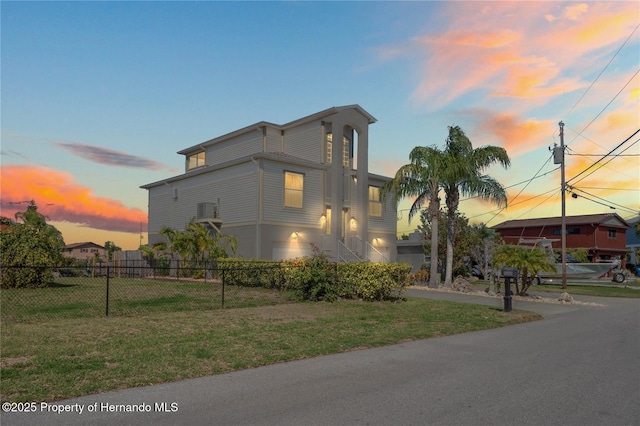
578 366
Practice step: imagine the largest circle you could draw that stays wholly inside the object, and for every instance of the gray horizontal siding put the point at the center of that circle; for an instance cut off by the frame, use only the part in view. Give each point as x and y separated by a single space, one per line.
274 209
305 142
234 188
235 148
274 140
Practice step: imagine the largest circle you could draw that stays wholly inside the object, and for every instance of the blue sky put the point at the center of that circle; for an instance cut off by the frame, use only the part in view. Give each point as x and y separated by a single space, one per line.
97 97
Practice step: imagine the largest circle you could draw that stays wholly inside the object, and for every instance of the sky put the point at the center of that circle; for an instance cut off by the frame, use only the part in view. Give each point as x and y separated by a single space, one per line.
98 97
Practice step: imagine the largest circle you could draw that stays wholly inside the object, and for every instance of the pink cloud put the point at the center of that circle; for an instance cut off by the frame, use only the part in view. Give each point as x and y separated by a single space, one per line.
61 199
513 49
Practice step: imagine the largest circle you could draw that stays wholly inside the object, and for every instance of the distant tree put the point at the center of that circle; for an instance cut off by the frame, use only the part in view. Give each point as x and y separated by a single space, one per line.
483 250
580 254
110 247
464 239
30 249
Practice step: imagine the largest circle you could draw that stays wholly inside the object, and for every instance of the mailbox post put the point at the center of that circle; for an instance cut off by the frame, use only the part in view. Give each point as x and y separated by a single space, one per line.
508 274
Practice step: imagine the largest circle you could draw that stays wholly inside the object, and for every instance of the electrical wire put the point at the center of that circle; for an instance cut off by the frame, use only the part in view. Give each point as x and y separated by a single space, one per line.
607 105
603 70
603 157
609 204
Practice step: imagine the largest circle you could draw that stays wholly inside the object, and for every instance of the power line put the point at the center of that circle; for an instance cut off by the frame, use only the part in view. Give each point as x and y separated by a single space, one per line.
607 105
605 156
610 189
557 190
609 203
603 70
600 155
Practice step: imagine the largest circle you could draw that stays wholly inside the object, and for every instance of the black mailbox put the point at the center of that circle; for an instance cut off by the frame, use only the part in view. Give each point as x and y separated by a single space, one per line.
508 274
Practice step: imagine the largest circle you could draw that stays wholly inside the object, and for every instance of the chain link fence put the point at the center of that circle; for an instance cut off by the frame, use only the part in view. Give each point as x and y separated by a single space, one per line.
138 287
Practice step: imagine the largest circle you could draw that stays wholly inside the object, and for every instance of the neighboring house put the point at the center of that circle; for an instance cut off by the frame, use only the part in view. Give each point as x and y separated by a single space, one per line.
282 189
632 240
86 250
603 235
412 251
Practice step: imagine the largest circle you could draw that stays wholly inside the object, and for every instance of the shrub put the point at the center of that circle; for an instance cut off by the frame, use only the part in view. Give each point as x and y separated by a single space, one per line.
420 277
312 278
374 281
251 273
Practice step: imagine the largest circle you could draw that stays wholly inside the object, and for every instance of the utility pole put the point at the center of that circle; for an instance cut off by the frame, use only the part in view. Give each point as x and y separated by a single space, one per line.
563 227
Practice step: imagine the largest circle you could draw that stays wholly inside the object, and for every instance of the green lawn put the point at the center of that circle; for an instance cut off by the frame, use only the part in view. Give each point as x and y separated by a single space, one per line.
589 290
53 359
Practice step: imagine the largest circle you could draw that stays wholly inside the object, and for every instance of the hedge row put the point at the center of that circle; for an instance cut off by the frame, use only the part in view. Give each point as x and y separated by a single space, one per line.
315 278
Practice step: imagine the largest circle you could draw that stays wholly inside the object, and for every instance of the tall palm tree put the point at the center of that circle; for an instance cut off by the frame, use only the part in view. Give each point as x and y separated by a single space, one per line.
464 176
421 179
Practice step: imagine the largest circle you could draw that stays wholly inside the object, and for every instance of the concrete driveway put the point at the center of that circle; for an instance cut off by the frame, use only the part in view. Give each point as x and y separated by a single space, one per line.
578 366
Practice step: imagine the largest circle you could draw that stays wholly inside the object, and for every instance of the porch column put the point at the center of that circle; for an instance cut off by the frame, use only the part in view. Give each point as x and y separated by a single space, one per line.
337 185
362 192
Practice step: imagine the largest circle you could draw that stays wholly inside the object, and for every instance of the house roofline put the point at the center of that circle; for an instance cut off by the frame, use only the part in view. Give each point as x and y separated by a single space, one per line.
270 156
554 221
256 126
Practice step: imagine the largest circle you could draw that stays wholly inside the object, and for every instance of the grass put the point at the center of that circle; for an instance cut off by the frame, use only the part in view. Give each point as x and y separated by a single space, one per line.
589 290
62 358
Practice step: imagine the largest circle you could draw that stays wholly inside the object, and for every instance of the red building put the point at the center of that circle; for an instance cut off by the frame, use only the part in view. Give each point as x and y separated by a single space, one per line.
603 235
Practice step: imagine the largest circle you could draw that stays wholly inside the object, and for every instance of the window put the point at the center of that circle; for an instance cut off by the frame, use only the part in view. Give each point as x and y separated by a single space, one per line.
84 250
612 233
293 187
195 160
570 231
346 144
375 206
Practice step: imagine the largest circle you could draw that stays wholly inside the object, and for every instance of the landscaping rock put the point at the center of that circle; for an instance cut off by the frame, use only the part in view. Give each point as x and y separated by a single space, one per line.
565 298
461 284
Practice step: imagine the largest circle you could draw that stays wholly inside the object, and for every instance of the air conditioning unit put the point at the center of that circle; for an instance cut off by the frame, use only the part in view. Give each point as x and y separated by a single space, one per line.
207 211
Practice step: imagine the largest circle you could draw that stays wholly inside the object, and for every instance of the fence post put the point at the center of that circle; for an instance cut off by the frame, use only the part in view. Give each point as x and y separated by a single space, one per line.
107 299
223 289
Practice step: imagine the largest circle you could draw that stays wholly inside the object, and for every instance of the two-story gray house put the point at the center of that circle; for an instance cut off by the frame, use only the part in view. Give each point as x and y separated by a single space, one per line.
282 189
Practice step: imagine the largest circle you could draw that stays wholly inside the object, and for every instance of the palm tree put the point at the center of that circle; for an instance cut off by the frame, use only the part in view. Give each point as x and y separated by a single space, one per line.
529 261
463 176
421 179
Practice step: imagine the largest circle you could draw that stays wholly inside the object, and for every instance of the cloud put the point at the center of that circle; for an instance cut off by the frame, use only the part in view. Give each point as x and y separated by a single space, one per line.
575 12
525 50
61 199
110 157
517 135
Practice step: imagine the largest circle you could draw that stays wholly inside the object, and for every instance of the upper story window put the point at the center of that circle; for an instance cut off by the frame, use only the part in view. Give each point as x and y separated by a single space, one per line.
195 160
375 205
346 154
612 233
570 231
293 189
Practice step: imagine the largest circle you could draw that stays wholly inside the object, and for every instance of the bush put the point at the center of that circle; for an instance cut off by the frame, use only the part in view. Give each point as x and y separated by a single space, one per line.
420 277
374 281
251 273
28 244
312 278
